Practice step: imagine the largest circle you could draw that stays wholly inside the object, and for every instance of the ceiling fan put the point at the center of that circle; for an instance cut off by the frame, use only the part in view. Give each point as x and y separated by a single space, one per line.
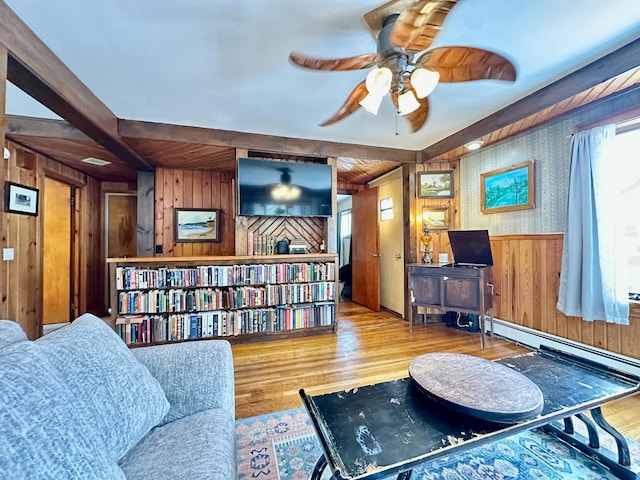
406 67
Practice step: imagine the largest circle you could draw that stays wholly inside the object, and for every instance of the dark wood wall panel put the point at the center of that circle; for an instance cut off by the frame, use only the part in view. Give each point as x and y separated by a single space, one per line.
526 274
91 250
177 188
312 230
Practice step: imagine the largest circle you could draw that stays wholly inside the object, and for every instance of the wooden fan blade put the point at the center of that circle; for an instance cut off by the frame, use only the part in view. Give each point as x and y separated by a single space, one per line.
418 117
463 64
417 27
350 105
349 63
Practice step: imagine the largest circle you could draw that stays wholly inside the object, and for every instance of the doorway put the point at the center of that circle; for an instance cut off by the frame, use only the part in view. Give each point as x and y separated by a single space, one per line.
57 275
392 276
120 223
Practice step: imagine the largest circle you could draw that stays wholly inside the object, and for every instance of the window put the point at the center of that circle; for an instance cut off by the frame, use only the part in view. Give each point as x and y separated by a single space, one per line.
627 151
386 209
345 223
344 234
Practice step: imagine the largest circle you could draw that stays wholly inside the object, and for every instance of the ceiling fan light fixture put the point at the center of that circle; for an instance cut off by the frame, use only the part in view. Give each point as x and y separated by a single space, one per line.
424 81
473 145
378 81
285 192
407 103
371 103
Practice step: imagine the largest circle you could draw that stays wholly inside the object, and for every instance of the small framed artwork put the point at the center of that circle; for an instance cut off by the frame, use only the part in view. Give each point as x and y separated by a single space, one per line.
508 189
435 184
196 225
20 199
435 218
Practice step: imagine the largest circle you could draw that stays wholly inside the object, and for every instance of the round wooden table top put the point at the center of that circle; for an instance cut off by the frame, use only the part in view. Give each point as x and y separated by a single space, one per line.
477 387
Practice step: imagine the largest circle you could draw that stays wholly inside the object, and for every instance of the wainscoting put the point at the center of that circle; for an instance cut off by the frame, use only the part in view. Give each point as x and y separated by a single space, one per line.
526 274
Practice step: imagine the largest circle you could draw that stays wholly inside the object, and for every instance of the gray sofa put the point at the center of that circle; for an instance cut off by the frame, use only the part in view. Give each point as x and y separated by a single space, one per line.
78 404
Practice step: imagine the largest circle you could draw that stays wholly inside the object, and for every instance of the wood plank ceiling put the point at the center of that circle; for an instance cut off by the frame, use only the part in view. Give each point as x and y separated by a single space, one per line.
62 142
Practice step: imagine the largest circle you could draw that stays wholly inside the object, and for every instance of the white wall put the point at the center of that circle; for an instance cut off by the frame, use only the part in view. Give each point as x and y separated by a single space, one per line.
344 203
549 147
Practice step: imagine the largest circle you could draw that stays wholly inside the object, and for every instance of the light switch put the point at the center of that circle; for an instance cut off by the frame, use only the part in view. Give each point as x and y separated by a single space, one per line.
7 254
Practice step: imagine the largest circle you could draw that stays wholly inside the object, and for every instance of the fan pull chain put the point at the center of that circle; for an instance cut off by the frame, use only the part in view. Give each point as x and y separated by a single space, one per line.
397 124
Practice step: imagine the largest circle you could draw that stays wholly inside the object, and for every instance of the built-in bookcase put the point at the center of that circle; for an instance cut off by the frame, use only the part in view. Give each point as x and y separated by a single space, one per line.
170 299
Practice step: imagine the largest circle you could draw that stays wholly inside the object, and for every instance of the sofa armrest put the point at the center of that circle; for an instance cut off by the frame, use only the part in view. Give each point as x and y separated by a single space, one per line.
195 376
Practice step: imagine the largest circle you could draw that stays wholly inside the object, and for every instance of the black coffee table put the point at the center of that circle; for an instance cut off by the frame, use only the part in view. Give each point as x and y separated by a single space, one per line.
388 428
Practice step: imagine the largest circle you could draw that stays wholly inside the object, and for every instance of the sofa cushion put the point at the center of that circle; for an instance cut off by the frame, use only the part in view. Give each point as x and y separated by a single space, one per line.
10 332
195 376
198 447
42 434
125 401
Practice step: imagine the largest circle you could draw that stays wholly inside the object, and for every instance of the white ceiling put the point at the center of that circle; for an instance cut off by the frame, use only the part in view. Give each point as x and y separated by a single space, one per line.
223 64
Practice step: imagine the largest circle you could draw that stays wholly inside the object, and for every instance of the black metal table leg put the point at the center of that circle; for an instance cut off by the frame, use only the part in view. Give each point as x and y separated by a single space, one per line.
620 466
623 447
321 464
594 438
568 426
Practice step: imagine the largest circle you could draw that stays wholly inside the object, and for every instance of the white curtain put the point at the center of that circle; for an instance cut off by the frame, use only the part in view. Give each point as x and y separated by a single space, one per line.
593 283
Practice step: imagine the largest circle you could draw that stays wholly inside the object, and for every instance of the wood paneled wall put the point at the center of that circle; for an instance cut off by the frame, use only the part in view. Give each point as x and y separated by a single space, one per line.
21 279
176 188
526 274
440 239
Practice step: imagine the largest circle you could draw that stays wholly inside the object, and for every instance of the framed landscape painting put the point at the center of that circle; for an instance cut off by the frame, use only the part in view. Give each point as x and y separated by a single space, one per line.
196 225
507 189
435 218
435 184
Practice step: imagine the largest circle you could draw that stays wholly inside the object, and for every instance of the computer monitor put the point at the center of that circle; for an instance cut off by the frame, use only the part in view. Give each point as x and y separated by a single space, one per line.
471 247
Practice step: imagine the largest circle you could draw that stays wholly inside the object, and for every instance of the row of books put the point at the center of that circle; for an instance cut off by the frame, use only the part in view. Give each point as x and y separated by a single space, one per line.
208 299
147 329
223 275
260 244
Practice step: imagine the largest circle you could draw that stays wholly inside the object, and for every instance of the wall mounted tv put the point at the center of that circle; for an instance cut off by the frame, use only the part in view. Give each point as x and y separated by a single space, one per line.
283 189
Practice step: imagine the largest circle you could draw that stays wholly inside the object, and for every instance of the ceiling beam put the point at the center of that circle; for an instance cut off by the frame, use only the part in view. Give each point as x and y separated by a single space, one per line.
609 66
36 70
43 127
251 141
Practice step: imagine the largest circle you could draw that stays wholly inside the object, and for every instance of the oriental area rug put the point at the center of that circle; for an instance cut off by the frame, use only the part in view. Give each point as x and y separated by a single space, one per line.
283 446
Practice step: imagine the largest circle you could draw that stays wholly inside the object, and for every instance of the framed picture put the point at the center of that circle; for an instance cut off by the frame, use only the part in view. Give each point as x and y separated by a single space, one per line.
196 225
435 218
20 199
435 184
507 189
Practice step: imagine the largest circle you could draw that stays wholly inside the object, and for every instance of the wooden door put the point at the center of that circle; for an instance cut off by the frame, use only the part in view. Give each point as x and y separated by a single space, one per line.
365 249
57 252
122 217
391 246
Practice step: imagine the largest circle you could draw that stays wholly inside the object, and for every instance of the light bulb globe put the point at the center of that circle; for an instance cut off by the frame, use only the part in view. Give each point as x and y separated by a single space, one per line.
371 103
378 81
424 81
407 103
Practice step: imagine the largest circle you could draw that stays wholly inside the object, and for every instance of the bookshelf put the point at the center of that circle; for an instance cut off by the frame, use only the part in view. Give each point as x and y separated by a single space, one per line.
240 298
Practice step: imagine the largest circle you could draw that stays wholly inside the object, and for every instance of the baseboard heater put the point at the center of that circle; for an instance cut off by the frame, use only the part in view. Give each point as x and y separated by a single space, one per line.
534 338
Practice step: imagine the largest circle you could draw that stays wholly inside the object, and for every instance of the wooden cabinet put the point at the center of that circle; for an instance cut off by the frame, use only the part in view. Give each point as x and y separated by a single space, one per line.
167 299
460 289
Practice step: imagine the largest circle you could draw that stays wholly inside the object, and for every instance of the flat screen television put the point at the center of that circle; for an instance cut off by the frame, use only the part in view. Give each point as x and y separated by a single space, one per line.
470 247
284 189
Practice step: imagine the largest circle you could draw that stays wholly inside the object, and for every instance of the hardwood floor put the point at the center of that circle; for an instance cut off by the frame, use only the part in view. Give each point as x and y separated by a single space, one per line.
369 347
